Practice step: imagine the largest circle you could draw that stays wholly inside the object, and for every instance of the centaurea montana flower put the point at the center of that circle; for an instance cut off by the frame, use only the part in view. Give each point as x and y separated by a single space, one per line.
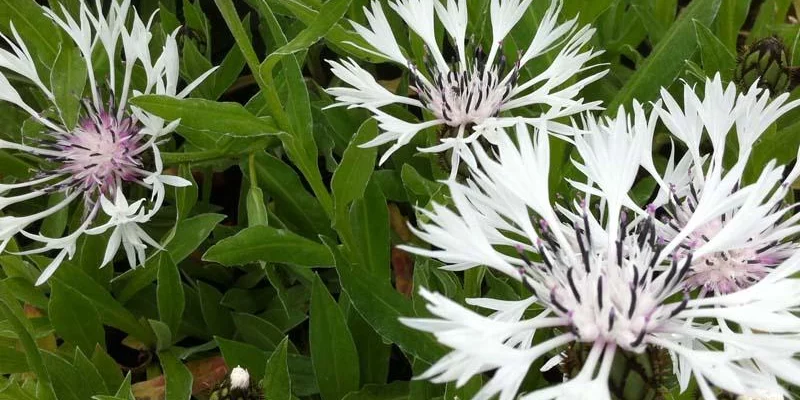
751 238
468 95
601 280
112 145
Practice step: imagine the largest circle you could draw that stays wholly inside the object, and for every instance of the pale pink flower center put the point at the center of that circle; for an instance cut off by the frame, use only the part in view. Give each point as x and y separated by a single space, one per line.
100 153
728 271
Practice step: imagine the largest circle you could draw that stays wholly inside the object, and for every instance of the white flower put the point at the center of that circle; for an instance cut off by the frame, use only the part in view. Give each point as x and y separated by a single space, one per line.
742 245
107 150
467 96
125 219
609 283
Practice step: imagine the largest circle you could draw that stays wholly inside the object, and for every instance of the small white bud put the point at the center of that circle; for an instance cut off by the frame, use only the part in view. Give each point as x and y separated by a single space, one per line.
240 378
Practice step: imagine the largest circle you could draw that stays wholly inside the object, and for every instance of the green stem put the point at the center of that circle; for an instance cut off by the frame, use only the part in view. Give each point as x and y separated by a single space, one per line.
252 166
231 18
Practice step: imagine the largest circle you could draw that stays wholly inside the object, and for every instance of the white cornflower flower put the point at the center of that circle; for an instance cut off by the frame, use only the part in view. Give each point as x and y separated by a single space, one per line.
111 146
466 96
610 284
742 245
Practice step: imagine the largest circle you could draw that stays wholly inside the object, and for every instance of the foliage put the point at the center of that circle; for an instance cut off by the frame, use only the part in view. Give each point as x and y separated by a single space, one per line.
282 258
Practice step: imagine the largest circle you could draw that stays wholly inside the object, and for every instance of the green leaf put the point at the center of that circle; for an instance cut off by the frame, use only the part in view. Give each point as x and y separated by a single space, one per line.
205 122
771 12
67 381
779 145
351 177
110 310
257 331
382 306
291 199
124 391
66 308
666 61
24 290
107 367
369 221
268 244
32 25
299 143
716 57
218 318
732 14
188 236
13 391
331 12
185 197
169 292
89 374
397 390
373 352
67 79
177 377
12 361
276 383
53 226
339 37
333 352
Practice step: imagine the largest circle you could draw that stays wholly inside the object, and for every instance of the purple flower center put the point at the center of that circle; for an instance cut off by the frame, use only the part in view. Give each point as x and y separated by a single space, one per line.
100 153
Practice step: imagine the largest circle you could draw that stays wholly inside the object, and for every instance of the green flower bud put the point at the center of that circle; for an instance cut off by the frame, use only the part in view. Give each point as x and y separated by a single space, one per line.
767 61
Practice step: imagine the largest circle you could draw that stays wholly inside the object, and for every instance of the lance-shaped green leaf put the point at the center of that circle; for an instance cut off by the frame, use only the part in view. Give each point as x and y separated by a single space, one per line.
339 37
382 306
169 293
32 25
333 352
12 311
666 61
276 383
67 79
329 14
265 243
75 318
352 175
206 122
111 311
716 57
177 377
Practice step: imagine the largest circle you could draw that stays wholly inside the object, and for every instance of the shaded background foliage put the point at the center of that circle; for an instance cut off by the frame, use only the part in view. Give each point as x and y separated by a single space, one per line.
281 258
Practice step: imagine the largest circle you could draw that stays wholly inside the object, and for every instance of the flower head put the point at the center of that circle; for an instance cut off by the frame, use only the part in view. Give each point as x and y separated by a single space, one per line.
468 95
742 245
109 147
611 281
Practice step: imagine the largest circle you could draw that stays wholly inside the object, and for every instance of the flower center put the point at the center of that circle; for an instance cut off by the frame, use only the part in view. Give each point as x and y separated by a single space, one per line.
613 295
724 271
729 271
100 153
467 96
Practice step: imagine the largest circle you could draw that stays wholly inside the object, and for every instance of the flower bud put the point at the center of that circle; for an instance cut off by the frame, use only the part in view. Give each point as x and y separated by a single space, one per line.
766 61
